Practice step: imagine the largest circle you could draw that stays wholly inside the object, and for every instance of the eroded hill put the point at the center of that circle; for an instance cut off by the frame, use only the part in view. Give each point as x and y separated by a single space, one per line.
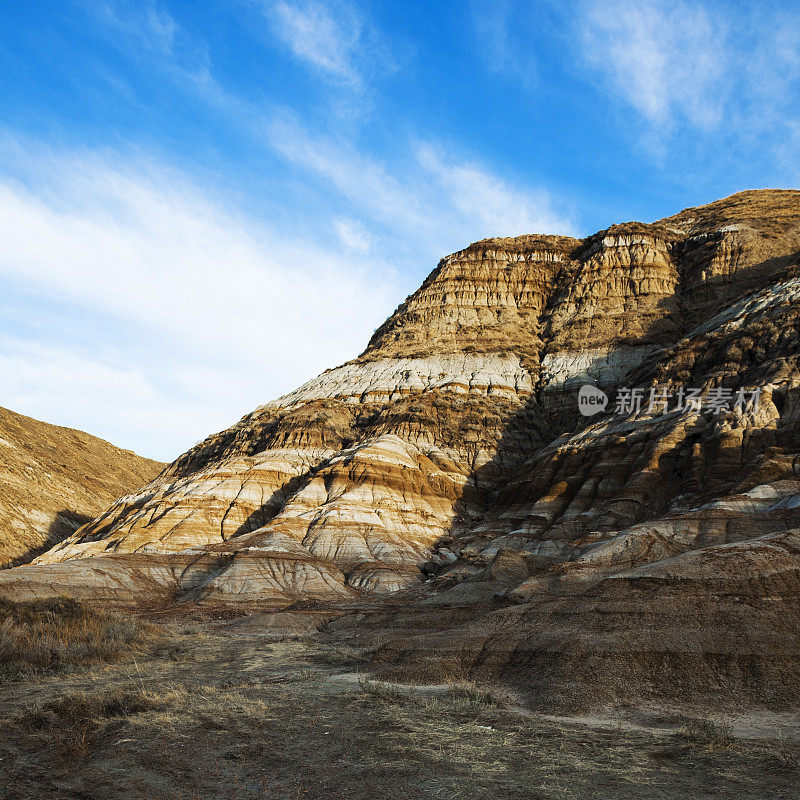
445 480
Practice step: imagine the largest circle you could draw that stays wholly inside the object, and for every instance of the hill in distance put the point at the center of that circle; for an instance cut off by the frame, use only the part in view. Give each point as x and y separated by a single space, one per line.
54 479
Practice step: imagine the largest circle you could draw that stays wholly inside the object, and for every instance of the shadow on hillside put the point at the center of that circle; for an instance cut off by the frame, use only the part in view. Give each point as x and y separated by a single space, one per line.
711 295
64 524
522 472
267 511
557 414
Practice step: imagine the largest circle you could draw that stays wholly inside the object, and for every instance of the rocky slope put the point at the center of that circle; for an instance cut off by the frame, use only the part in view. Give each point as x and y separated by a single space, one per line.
445 480
53 480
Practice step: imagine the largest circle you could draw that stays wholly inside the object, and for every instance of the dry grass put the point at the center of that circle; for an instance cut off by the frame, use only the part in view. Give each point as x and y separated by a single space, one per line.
470 696
388 692
251 719
82 708
43 635
75 725
783 753
707 732
338 655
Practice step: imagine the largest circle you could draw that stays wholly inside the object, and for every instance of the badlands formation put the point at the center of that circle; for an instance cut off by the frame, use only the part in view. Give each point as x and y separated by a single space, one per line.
54 480
441 496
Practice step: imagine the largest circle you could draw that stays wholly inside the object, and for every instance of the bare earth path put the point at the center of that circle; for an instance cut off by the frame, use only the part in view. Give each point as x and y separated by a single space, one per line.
221 713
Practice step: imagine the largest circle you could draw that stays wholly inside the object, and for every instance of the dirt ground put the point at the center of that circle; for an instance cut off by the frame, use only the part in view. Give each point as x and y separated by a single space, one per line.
221 711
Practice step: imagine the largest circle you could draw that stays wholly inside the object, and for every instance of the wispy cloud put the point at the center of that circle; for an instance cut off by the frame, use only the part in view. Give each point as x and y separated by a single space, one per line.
664 58
361 178
503 36
164 314
138 302
241 310
353 234
415 193
331 37
674 73
489 204
147 33
433 197
112 398
146 22
703 64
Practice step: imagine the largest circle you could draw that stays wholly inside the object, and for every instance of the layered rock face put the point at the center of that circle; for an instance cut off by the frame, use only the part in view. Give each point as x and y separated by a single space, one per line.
446 476
53 480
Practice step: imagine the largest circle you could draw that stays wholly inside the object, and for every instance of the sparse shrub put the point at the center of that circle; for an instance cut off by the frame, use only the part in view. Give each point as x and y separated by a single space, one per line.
337 655
465 696
178 652
384 691
44 635
783 754
707 732
74 723
80 709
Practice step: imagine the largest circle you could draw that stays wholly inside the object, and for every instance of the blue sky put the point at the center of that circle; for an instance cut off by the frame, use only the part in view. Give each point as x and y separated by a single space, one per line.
204 204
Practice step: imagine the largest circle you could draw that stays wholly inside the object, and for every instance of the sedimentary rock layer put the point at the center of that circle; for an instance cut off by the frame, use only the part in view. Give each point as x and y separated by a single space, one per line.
447 469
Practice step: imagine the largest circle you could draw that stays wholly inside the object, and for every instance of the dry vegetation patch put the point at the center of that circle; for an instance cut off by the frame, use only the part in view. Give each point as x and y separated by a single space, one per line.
250 718
707 732
42 635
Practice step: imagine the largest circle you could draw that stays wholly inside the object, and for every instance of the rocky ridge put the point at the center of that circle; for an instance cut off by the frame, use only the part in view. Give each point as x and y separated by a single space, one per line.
446 475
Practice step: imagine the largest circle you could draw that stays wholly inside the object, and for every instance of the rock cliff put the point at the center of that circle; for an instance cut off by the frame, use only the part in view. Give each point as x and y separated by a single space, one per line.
53 480
445 479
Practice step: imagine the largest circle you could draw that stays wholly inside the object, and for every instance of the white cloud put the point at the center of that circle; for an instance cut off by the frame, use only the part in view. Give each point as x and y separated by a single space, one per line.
171 313
663 57
492 206
436 199
168 315
359 177
332 37
420 201
707 64
315 35
505 34
696 80
353 234
146 32
144 21
115 401
246 313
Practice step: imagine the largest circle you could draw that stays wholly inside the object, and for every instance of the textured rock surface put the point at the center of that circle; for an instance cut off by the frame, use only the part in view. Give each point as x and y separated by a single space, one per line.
448 471
53 480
